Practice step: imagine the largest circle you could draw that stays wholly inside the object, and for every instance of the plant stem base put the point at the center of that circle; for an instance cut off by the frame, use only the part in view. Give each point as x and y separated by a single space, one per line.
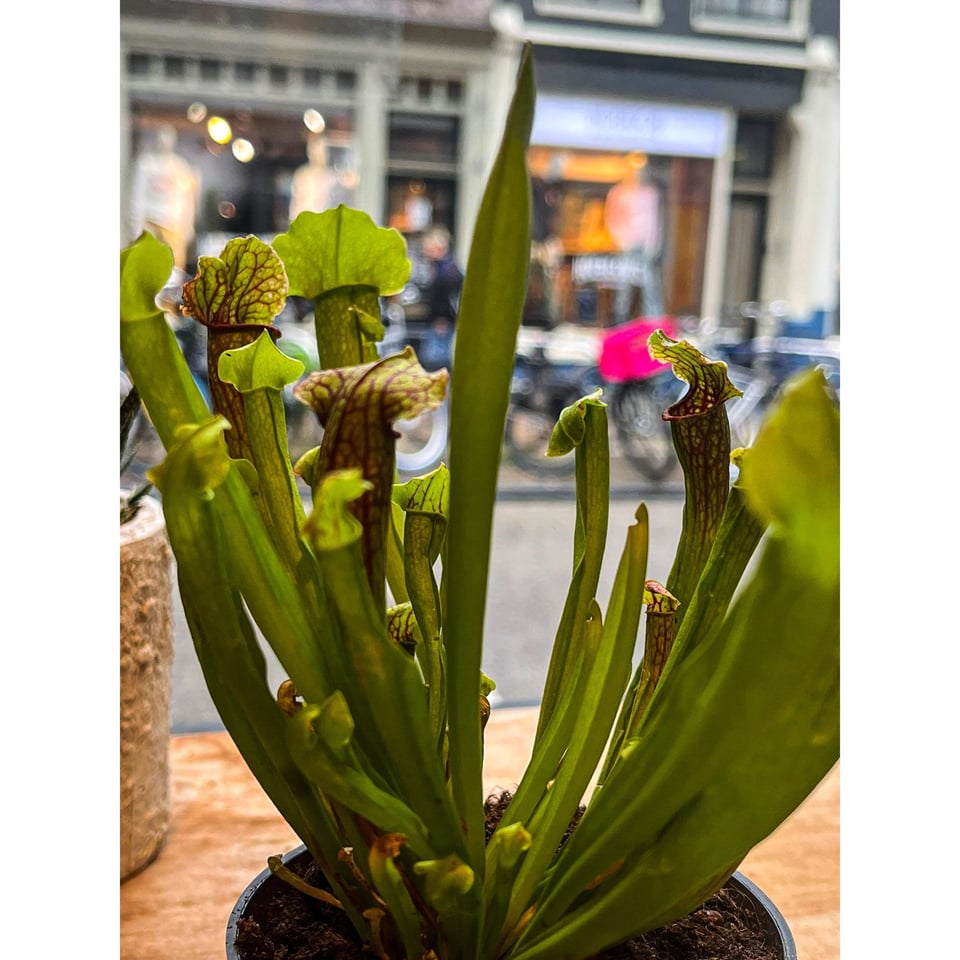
273 921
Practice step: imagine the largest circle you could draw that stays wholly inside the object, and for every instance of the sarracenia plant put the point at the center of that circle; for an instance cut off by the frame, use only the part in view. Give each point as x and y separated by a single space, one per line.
373 601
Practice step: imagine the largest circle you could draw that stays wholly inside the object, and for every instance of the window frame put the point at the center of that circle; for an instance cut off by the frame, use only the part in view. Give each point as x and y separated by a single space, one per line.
647 13
797 27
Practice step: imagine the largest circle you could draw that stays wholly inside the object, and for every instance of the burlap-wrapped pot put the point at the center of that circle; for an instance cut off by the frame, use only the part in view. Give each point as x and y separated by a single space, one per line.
146 659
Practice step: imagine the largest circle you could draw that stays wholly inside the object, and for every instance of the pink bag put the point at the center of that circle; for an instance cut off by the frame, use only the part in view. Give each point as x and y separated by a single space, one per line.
623 351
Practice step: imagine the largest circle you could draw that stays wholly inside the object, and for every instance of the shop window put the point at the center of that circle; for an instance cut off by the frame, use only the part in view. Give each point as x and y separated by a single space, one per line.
619 234
416 203
215 191
638 12
774 19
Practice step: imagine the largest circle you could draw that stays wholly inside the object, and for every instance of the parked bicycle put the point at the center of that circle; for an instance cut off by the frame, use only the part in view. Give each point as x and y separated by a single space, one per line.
552 369
555 368
760 360
639 388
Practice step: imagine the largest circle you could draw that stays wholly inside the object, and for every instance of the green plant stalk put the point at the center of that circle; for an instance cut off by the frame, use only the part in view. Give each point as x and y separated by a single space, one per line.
342 261
419 532
532 792
394 558
704 787
658 642
661 608
342 319
336 766
737 735
505 848
736 542
357 407
390 885
583 423
222 634
703 448
148 344
227 400
701 437
425 501
173 400
607 676
235 296
384 691
491 303
278 497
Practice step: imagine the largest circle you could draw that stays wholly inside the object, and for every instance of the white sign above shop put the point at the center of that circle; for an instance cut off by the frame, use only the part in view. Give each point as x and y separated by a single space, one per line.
619 125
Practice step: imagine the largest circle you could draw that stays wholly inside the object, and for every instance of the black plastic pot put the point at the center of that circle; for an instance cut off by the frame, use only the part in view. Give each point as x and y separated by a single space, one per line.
769 919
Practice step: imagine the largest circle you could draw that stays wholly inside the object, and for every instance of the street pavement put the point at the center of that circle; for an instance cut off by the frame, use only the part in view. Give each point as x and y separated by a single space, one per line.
530 571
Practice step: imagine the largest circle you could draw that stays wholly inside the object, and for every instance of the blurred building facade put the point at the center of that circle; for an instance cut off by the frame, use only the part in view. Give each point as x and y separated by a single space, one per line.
716 120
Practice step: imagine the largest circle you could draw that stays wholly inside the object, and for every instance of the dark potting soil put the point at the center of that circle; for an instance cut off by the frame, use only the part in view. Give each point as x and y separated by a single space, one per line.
297 927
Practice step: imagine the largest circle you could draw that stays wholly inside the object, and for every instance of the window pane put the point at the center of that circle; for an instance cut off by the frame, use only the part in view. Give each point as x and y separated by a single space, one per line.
768 11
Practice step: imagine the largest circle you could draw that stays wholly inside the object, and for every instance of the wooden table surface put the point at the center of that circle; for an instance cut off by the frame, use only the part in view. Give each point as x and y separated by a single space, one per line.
223 828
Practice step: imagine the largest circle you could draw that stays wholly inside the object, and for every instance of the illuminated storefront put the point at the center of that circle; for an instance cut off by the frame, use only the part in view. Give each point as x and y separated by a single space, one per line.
730 112
235 122
622 203
252 171
724 126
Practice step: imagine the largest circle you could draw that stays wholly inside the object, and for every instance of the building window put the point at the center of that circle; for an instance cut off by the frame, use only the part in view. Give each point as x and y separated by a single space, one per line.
174 68
773 19
637 12
244 72
138 64
422 139
753 158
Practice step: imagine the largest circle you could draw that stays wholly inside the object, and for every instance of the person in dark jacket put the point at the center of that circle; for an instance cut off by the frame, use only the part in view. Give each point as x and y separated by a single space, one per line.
443 297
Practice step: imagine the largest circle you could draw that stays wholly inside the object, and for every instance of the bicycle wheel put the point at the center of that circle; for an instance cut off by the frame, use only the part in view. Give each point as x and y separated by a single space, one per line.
527 435
422 441
644 436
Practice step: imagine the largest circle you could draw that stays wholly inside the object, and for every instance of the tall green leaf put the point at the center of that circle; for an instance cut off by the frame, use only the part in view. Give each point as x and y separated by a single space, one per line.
582 425
491 304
